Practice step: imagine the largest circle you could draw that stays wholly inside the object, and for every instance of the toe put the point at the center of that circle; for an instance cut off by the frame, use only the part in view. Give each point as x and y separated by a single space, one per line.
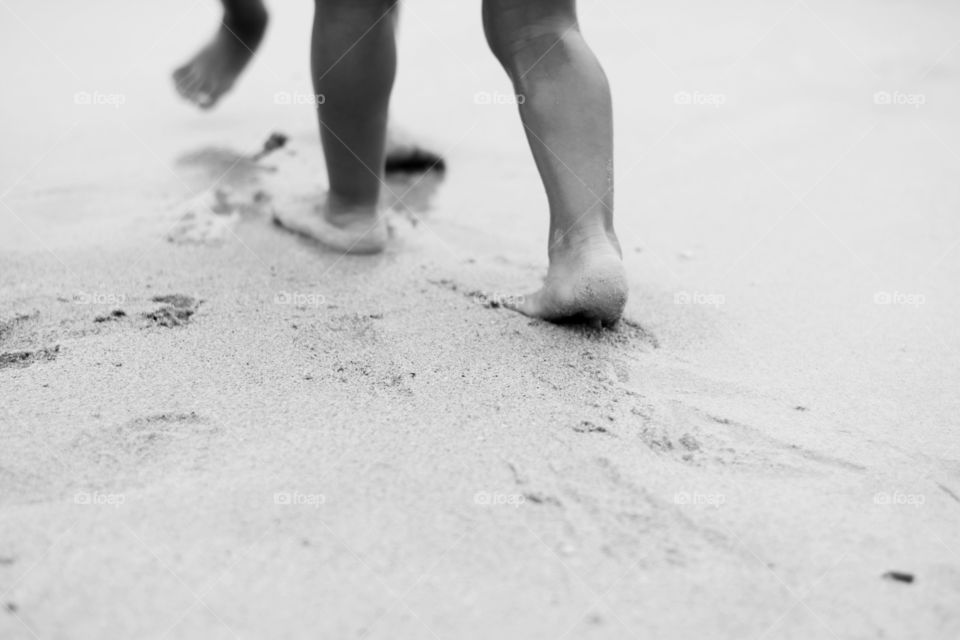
180 73
182 84
189 86
529 305
205 99
205 93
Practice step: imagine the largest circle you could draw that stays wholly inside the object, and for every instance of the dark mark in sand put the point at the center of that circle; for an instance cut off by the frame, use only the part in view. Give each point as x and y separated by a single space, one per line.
539 498
446 283
413 159
169 316
176 311
7 327
274 142
177 300
950 493
689 442
116 314
586 426
899 576
191 417
26 358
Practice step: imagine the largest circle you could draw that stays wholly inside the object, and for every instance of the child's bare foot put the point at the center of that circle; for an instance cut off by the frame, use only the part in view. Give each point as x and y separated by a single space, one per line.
214 69
586 282
350 229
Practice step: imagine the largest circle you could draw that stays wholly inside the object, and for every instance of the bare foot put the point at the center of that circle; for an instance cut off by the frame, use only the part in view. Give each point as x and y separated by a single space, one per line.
356 230
214 69
585 283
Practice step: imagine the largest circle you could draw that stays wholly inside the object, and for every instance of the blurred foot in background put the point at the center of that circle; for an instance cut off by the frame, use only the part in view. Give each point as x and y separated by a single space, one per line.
214 70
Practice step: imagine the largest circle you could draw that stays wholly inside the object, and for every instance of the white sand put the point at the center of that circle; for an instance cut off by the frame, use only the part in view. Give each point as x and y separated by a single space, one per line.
724 476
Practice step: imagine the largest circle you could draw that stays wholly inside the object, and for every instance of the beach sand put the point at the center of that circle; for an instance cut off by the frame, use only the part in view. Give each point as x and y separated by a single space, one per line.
210 428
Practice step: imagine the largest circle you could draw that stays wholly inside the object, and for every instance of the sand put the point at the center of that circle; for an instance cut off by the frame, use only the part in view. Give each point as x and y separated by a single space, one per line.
210 428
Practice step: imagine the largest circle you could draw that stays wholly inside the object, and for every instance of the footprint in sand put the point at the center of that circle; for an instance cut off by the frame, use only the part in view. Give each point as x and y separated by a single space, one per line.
210 219
127 447
176 310
696 437
18 336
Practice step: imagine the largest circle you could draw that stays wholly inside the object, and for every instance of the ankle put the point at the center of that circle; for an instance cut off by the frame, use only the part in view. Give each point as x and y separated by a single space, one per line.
338 205
249 22
578 241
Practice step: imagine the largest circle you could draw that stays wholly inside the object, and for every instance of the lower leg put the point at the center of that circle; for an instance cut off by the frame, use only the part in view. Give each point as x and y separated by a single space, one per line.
353 64
566 111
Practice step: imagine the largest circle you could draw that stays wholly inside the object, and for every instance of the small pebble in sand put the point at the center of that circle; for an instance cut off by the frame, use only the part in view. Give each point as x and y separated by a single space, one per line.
274 142
899 576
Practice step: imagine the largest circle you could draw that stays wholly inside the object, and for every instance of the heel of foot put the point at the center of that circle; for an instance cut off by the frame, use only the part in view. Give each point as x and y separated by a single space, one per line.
590 289
602 292
360 235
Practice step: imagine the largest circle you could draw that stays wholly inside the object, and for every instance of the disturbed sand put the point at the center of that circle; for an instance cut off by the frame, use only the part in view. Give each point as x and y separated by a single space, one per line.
210 428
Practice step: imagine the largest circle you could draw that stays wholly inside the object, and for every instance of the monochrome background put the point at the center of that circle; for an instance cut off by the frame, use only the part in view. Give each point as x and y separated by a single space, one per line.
211 429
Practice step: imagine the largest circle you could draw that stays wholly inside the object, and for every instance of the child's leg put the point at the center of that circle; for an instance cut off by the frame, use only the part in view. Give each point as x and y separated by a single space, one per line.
353 64
214 69
566 110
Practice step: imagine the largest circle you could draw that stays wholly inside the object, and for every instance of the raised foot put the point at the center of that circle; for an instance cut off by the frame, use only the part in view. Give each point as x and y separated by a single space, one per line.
356 231
588 286
215 68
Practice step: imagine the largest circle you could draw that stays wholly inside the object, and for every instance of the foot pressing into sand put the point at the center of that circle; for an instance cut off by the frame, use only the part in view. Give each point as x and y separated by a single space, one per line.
586 282
568 117
214 69
345 228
